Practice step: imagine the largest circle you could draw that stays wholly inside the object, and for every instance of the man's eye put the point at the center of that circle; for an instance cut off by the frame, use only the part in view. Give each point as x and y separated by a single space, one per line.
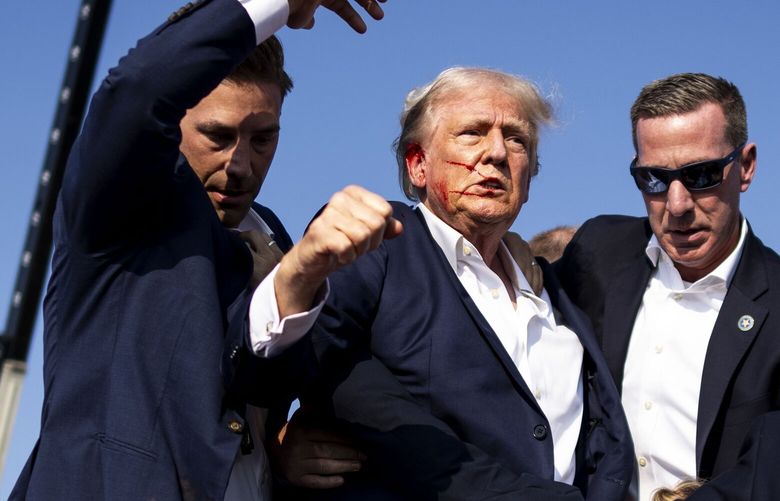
263 140
219 139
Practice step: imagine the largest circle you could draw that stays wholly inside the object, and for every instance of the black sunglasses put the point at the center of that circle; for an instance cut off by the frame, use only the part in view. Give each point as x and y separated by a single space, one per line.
695 177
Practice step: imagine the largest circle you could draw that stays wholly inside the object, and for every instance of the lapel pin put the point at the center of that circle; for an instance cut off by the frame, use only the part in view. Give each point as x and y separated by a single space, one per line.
745 323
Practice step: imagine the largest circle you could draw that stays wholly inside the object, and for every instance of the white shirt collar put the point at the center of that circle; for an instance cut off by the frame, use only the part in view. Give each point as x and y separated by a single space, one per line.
253 221
723 273
452 243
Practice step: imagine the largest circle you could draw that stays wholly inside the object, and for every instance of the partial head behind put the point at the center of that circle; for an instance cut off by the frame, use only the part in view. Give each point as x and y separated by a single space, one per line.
686 92
550 244
421 104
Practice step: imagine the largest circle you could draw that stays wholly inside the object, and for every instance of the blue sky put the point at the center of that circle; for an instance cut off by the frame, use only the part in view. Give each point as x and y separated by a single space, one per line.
341 118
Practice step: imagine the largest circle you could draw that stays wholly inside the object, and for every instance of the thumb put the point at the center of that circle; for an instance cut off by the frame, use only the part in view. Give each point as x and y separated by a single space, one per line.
393 228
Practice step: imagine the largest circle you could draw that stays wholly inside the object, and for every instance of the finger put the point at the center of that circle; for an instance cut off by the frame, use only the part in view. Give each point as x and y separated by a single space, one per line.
334 451
346 12
376 212
271 244
254 239
393 228
370 199
373 8
323 466
320 482
358 222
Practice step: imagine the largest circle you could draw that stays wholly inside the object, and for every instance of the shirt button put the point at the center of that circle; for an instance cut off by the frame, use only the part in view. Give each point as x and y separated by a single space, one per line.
494 293
540 432
677 296
466 251
538 394
648 405
236 426
642 462
659 348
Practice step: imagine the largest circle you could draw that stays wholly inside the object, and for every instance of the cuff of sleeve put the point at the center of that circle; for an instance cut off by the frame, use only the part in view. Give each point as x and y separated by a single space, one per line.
268 16
269 335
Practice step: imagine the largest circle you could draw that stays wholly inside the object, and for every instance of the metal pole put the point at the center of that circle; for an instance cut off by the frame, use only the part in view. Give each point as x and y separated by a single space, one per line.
72 99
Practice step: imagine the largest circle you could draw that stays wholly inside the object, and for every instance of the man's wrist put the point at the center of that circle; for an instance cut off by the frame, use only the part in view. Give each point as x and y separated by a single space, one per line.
268 16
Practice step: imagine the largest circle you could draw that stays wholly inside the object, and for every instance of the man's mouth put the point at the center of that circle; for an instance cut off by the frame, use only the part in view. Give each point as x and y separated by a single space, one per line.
689 237
231 196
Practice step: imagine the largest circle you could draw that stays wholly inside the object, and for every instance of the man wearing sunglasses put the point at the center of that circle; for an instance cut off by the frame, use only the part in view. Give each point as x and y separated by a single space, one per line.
682 299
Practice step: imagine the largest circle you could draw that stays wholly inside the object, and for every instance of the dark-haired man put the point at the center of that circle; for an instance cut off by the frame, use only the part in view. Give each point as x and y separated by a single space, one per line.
682 299
145 275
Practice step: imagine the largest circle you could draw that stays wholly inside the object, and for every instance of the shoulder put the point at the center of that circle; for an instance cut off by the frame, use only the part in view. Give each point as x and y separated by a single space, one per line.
599 226
757 249
610 234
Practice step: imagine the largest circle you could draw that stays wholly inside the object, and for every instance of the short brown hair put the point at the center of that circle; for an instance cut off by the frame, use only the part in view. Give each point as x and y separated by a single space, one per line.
687 92
264 64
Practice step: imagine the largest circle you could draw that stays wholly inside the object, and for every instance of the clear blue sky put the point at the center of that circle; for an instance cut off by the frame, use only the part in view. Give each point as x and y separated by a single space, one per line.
340 120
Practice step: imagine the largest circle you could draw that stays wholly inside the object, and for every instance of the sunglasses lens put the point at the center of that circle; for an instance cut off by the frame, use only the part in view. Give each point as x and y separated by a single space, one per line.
651 180
701 176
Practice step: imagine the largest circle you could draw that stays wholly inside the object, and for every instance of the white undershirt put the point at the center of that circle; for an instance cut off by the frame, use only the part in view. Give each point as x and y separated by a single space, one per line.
664 364
547 355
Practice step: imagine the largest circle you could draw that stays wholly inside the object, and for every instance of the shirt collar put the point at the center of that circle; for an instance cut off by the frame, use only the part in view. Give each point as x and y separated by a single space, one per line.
452 243
253 221
723 273
446 237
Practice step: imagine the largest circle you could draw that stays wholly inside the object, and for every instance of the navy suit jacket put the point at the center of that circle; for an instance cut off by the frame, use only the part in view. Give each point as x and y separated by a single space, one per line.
605 271
451 418
143 277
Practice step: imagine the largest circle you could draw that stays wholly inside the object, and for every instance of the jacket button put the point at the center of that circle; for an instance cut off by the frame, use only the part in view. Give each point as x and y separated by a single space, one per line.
540 432
236 426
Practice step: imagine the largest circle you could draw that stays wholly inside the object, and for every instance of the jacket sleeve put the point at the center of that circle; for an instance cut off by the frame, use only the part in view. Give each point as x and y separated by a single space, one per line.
120 172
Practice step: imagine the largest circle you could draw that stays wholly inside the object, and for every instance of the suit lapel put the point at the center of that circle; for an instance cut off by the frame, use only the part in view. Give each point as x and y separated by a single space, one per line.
728 342
487 333
621 304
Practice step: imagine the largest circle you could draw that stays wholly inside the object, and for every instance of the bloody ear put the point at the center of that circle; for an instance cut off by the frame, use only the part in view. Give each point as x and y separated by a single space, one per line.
414 152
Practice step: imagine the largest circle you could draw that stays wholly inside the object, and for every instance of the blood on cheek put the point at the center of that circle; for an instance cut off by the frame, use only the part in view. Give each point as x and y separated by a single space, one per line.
470 168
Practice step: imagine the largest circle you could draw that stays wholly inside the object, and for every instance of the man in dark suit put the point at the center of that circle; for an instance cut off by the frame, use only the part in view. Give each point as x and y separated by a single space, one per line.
146 274
460 376
681 300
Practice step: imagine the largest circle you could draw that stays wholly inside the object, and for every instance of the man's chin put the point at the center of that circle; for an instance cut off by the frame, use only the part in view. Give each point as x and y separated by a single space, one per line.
231 218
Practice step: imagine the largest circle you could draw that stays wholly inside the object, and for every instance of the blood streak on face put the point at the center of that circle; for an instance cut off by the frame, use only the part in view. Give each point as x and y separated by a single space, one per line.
465 166
441 191
488 193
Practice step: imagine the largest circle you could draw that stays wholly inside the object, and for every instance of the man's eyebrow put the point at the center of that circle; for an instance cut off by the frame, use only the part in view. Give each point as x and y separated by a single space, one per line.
214 126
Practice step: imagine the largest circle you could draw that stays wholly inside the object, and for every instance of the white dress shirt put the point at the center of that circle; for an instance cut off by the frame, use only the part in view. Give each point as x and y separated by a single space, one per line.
664 364
548 355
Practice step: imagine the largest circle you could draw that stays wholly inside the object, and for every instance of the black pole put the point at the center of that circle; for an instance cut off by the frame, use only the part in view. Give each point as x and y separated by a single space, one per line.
72 100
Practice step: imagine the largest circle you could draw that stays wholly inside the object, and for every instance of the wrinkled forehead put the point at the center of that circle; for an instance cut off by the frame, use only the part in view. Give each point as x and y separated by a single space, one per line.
480 104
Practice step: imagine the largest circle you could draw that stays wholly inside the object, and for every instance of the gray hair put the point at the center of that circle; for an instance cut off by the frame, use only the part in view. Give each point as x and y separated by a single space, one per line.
687 92
421 102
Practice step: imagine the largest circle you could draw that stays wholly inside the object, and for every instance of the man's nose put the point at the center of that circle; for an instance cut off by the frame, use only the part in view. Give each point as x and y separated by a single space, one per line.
678 199
239 163
495 148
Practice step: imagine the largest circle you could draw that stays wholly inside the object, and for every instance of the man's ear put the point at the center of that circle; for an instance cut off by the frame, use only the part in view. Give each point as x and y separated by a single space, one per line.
415 165
747 166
